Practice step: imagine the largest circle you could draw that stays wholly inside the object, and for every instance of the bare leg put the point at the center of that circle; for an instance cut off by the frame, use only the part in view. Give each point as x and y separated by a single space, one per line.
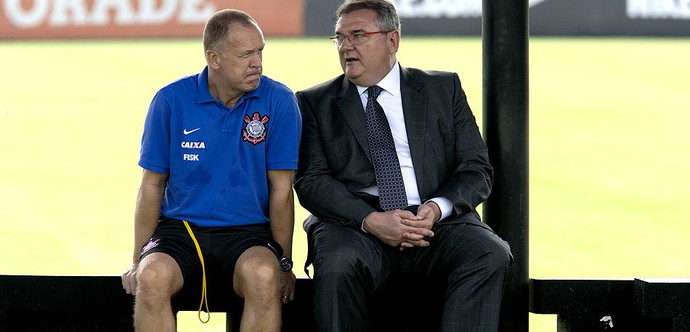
256 281
158 278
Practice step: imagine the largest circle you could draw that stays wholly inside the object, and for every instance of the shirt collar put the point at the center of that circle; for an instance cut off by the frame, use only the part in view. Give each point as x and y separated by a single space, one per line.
390 83
203 95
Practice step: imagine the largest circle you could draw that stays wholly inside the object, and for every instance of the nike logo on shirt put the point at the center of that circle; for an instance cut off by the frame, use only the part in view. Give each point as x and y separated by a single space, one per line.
187 132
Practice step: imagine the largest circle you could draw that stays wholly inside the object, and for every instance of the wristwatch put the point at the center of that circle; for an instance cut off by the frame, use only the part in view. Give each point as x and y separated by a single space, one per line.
285 264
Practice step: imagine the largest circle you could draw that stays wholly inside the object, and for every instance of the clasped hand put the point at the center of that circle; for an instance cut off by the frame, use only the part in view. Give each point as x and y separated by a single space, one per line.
401 228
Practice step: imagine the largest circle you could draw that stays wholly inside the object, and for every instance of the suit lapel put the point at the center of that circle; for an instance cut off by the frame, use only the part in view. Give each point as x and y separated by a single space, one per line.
350 107
414 101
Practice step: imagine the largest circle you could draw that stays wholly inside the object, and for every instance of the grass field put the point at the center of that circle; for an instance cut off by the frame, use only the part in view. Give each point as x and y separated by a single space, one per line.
609 148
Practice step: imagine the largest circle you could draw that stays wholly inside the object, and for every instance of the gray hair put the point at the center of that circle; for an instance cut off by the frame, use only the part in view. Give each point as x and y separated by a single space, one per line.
388 18
218 26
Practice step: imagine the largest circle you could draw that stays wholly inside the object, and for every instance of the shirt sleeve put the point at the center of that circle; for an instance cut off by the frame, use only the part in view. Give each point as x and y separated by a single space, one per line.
155 141
285 130
445 205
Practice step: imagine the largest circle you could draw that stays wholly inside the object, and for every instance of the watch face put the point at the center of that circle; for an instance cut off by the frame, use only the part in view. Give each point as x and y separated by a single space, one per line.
285 264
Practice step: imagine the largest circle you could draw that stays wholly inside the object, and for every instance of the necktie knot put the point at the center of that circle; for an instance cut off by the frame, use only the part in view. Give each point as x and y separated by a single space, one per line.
374 92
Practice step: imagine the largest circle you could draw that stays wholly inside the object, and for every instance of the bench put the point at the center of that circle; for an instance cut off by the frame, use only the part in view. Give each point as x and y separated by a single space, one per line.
63 303
613 305
98 303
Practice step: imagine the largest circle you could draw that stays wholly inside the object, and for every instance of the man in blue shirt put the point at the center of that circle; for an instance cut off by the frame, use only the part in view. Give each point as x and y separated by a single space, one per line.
219 151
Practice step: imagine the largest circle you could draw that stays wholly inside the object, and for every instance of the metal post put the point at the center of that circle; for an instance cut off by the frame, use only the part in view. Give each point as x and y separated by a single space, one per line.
505 37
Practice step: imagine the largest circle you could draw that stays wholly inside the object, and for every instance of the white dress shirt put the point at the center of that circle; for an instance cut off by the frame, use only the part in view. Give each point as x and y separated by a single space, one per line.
390 100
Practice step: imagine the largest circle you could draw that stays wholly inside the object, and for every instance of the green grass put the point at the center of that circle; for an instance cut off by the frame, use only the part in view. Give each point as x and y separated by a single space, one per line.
609 148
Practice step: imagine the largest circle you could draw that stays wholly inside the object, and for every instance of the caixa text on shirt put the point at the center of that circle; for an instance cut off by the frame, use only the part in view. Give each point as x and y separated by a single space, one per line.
192 145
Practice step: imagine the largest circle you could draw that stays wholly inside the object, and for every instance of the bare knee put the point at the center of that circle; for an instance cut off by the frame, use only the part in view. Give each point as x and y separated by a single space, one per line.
158 277
257 274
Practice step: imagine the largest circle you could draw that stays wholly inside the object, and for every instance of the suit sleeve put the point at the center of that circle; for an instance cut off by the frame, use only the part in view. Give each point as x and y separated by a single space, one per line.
317 190
471 179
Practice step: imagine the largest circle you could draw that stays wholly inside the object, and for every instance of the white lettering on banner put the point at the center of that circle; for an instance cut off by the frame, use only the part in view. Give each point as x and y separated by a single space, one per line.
443 8
149 14
658 9
25 19
195 11
61 10
124 12
438 8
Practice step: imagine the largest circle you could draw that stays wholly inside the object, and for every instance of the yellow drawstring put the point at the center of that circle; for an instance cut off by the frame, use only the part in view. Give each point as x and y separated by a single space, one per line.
204 298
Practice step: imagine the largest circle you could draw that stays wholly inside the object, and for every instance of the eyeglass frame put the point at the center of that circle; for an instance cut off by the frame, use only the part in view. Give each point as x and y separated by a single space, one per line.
357 34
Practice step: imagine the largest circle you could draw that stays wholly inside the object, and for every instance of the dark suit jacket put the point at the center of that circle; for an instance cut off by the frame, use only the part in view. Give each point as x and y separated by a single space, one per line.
449 156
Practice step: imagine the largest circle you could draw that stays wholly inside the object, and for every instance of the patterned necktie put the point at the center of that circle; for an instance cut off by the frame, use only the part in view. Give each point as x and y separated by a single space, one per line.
386 165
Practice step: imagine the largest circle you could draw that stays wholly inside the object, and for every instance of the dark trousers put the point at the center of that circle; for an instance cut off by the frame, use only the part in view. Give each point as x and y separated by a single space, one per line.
468 260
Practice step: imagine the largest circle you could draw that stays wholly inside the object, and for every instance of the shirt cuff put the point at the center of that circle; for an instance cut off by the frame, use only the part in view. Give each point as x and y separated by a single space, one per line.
445 205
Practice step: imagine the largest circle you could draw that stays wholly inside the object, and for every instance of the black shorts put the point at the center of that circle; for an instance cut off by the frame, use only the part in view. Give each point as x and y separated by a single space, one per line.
221 247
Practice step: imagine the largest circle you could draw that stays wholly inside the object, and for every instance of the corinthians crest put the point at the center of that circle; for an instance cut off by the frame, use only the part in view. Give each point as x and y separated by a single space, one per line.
255 130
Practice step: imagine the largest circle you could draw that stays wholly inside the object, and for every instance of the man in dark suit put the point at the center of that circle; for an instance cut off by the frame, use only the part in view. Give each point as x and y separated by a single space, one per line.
377 216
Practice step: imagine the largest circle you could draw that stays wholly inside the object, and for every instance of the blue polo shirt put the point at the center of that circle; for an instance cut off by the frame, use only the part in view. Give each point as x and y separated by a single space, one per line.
216 157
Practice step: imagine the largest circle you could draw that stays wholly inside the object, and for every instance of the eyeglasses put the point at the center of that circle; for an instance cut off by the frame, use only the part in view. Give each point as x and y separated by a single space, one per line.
357 38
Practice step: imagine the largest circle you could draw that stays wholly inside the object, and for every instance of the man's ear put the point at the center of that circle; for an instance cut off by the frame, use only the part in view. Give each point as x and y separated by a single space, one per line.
394 41
213 59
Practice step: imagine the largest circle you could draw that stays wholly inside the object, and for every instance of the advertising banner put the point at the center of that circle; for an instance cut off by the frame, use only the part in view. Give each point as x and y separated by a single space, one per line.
60 19
659 18
51 19
662 18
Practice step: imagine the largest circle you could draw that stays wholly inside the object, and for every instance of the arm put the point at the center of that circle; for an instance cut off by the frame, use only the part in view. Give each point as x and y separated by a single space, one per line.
282 214
332 168
460 178
146 215
324 163
472 175
281 208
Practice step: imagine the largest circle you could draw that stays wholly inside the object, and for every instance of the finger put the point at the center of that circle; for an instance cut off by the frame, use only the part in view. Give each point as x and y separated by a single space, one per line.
413 236
420 232
404 214
288 290
429 210
418 224
292 291
123 279
424 213
412 244
130 286
421 243
404 245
